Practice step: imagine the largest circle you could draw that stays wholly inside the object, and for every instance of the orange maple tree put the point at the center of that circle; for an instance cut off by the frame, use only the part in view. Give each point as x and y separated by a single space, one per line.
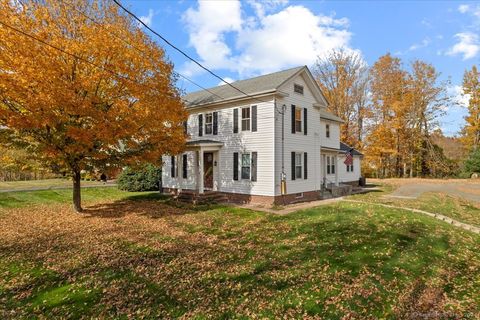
86 86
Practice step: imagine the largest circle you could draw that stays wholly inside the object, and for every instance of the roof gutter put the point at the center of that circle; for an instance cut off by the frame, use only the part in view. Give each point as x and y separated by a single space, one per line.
240 98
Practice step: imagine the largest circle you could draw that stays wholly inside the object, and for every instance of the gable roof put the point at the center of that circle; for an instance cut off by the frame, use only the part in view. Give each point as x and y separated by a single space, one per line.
329 116
253 86
345 147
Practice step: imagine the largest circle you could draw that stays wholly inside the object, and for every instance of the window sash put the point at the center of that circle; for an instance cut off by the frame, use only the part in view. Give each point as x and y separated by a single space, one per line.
208 123
298 119
298 166
246 119
246 163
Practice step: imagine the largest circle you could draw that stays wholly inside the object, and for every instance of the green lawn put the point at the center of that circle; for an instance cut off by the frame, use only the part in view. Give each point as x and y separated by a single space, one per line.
45 183
59 196
453 207
143 257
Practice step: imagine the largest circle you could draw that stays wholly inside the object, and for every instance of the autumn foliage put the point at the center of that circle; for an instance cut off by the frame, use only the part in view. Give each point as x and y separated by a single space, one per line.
390 110
471 88
84 85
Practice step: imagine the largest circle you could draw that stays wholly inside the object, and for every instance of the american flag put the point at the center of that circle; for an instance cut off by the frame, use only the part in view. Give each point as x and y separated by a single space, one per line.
348 157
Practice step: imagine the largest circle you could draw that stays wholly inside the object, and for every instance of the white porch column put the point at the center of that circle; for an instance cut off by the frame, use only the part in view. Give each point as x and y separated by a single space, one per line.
336 170
200 171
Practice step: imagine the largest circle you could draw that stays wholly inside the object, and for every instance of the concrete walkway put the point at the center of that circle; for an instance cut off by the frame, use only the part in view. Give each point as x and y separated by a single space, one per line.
291 207
437 216
413 188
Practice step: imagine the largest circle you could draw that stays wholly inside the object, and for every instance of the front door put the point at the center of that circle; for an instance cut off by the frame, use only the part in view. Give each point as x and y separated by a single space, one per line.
208 170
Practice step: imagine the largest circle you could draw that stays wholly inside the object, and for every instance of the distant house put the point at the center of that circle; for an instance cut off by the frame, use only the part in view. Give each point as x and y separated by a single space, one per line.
242 146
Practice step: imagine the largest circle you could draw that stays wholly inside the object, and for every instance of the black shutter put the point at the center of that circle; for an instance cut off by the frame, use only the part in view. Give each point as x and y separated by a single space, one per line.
305 166
254 118
184 166
305 121
235 166
172 162
293 118
254 167
235 121
200 125
293 165
185 127
215 123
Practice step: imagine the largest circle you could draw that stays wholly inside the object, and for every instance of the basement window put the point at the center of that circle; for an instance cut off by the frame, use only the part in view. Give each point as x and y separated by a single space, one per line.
299 195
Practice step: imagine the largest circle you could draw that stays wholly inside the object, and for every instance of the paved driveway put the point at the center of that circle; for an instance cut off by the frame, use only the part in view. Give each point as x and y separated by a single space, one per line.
413 188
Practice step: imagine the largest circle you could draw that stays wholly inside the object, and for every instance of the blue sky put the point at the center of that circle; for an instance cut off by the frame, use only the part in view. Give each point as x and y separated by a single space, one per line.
242 39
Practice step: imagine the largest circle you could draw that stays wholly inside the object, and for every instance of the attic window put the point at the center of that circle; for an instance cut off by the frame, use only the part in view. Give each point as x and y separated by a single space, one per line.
298 88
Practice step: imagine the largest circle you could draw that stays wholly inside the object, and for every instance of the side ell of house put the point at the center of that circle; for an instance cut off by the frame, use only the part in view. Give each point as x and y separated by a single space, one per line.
242 146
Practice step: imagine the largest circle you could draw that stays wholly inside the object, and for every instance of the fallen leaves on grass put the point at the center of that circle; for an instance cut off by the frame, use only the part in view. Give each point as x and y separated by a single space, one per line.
147 259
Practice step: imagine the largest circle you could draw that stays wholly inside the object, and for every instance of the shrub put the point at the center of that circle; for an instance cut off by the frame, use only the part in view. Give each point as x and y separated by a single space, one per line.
472 164
146 178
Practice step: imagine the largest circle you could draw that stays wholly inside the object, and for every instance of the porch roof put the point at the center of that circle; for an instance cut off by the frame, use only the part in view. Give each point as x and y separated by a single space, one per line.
322 148
193 144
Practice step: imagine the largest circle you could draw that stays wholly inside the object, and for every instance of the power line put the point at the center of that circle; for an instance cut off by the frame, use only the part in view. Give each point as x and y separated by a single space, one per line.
66 52
147 56
136 48
183 52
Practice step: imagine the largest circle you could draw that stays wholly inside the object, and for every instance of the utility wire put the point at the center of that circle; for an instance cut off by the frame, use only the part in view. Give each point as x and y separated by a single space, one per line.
66 52
183 52
147 56
136 48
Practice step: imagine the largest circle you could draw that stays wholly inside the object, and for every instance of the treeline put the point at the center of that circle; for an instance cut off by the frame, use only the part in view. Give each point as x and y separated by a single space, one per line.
392 110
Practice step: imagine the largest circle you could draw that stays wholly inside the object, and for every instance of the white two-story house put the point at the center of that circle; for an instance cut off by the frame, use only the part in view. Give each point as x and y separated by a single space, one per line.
244 144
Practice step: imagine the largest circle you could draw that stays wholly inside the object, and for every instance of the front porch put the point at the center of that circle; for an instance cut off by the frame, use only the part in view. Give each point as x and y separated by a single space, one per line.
205 165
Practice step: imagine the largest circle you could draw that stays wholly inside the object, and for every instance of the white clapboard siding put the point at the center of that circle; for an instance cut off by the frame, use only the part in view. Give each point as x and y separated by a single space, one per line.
261 141
343 175
298 142
334 140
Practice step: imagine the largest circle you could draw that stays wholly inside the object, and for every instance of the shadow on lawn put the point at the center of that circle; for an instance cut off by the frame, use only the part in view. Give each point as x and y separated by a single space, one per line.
152 205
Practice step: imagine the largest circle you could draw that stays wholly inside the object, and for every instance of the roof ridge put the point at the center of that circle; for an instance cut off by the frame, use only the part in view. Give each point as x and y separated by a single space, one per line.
247 79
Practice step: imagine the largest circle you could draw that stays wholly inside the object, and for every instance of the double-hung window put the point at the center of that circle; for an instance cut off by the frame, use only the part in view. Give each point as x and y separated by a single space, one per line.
246 166
298 119
350 168
246 119
298 165
331 165
208 123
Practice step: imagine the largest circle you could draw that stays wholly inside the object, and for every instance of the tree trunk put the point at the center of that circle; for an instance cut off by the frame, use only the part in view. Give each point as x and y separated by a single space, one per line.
77 198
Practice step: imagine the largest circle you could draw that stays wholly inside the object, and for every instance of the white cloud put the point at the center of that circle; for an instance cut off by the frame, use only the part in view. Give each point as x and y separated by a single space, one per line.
463 8
207 26
263 6
148 18
227 79
467 45
293 36
425 42
459 97
468 9
266 41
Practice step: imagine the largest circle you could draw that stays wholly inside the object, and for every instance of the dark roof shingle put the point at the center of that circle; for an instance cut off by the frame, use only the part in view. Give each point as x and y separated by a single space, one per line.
250 86
346 147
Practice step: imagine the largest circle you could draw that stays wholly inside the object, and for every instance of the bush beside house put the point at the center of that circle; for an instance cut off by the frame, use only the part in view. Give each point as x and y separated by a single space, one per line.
146 178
